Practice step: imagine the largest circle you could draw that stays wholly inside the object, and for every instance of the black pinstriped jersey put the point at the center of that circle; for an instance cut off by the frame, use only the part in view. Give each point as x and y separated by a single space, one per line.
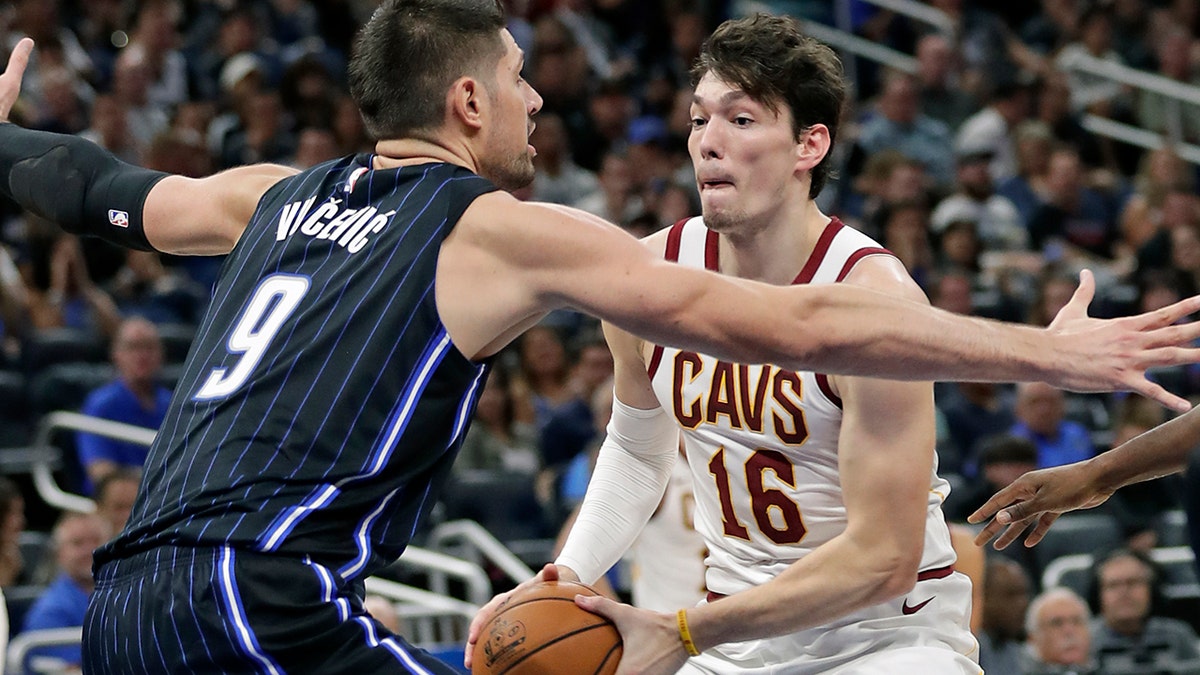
323 402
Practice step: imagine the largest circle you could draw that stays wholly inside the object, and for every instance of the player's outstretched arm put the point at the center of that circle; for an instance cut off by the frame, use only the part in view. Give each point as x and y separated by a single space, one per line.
88 191
507 262
1036 499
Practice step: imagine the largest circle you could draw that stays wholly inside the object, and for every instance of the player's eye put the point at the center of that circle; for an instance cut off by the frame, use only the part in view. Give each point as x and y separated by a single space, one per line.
697 122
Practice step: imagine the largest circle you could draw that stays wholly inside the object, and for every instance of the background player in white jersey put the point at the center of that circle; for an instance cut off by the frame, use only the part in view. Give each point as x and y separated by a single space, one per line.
816 495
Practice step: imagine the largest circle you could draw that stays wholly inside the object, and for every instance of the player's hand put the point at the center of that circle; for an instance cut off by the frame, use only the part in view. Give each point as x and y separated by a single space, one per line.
550 572
1037 499
650 640
10 81
1114 354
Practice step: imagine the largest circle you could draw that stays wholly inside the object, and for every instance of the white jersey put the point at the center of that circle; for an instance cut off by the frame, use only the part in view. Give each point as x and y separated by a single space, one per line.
668 556
762 446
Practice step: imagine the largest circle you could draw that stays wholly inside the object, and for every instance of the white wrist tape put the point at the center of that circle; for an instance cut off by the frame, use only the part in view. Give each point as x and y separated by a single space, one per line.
632 471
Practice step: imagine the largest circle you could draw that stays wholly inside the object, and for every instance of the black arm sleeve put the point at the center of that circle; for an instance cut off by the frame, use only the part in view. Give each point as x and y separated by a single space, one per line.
77 184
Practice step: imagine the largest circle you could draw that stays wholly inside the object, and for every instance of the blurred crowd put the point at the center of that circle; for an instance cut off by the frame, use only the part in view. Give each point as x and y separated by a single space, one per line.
976 170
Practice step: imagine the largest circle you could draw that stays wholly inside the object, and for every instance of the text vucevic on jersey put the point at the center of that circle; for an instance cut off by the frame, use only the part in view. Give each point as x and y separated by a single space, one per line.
349 228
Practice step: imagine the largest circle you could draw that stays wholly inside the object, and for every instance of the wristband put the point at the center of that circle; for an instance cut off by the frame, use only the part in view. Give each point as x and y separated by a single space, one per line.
685 635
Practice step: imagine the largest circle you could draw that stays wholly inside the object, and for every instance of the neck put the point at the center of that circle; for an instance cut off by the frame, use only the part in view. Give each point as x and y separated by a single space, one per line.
396 152
775 251
1130 628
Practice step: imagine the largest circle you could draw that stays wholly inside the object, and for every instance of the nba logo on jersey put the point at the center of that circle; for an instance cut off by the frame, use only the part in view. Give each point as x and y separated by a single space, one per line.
118 218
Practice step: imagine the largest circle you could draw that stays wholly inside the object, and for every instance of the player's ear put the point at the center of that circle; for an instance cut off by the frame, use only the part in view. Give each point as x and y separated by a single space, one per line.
812 146
465 101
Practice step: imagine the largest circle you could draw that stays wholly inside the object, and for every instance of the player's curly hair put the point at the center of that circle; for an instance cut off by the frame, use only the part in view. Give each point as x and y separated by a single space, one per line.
772 61
411 51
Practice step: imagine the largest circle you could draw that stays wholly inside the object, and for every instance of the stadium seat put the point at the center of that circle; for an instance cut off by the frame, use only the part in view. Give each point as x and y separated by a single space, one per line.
1171 527
177 340
46 348
18 600
1092 532
503 502
66 385
14 410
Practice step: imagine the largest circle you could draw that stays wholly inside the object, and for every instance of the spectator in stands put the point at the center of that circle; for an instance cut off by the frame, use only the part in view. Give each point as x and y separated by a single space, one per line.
905 232
1058 633
70 299
12 523
1171 117
997 221
1040 411
131 84
941 95
888 178
502 436
571 426
145 287
616 198
1033 140
1094 93
900 124
134 397
115 494
1185 253
1054 289
992 127
973 411
1001 460
956 249
559 179
14 306
1005 599
1160 173
64 602
1051 28
154 38
1075 222
110 128
315 145
1127 629
950 289
1054 109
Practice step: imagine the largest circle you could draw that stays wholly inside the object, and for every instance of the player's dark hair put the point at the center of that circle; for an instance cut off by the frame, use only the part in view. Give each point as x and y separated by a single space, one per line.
411 51
771 60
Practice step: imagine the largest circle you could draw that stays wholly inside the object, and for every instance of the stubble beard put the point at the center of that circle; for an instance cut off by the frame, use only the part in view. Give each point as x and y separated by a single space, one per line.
513 173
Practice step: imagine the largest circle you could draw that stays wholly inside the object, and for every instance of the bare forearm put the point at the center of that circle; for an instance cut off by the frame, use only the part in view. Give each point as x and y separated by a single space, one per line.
836 579
1161 451
857 331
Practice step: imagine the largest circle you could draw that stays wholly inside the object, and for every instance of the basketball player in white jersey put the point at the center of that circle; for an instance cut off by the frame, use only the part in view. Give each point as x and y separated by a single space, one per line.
817 495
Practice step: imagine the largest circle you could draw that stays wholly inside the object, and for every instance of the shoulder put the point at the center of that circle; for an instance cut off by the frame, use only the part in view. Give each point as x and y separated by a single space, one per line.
105 395
886 274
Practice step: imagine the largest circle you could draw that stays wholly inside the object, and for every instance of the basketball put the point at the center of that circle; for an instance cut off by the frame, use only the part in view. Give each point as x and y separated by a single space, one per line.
540 631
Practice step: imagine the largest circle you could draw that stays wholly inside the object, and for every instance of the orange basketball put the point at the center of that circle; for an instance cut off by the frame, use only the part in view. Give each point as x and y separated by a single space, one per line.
540 631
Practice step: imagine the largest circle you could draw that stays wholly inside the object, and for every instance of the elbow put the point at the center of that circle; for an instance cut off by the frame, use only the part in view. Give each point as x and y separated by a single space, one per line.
899 576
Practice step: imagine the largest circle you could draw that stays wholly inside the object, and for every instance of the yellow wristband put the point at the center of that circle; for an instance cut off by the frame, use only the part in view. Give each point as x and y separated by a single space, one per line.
685 635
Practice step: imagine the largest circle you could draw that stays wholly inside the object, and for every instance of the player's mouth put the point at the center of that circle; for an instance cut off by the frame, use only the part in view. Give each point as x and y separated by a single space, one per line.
715 184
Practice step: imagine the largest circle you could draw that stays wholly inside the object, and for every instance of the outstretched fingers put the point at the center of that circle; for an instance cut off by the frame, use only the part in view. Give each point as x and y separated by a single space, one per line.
1156 392
1166 316
10 81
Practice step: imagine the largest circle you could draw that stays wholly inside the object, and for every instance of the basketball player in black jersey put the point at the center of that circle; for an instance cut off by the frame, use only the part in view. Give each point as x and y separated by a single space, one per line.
353 323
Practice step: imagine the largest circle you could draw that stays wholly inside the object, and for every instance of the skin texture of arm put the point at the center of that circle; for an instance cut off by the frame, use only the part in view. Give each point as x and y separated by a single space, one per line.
1038 498
507 263
206 216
